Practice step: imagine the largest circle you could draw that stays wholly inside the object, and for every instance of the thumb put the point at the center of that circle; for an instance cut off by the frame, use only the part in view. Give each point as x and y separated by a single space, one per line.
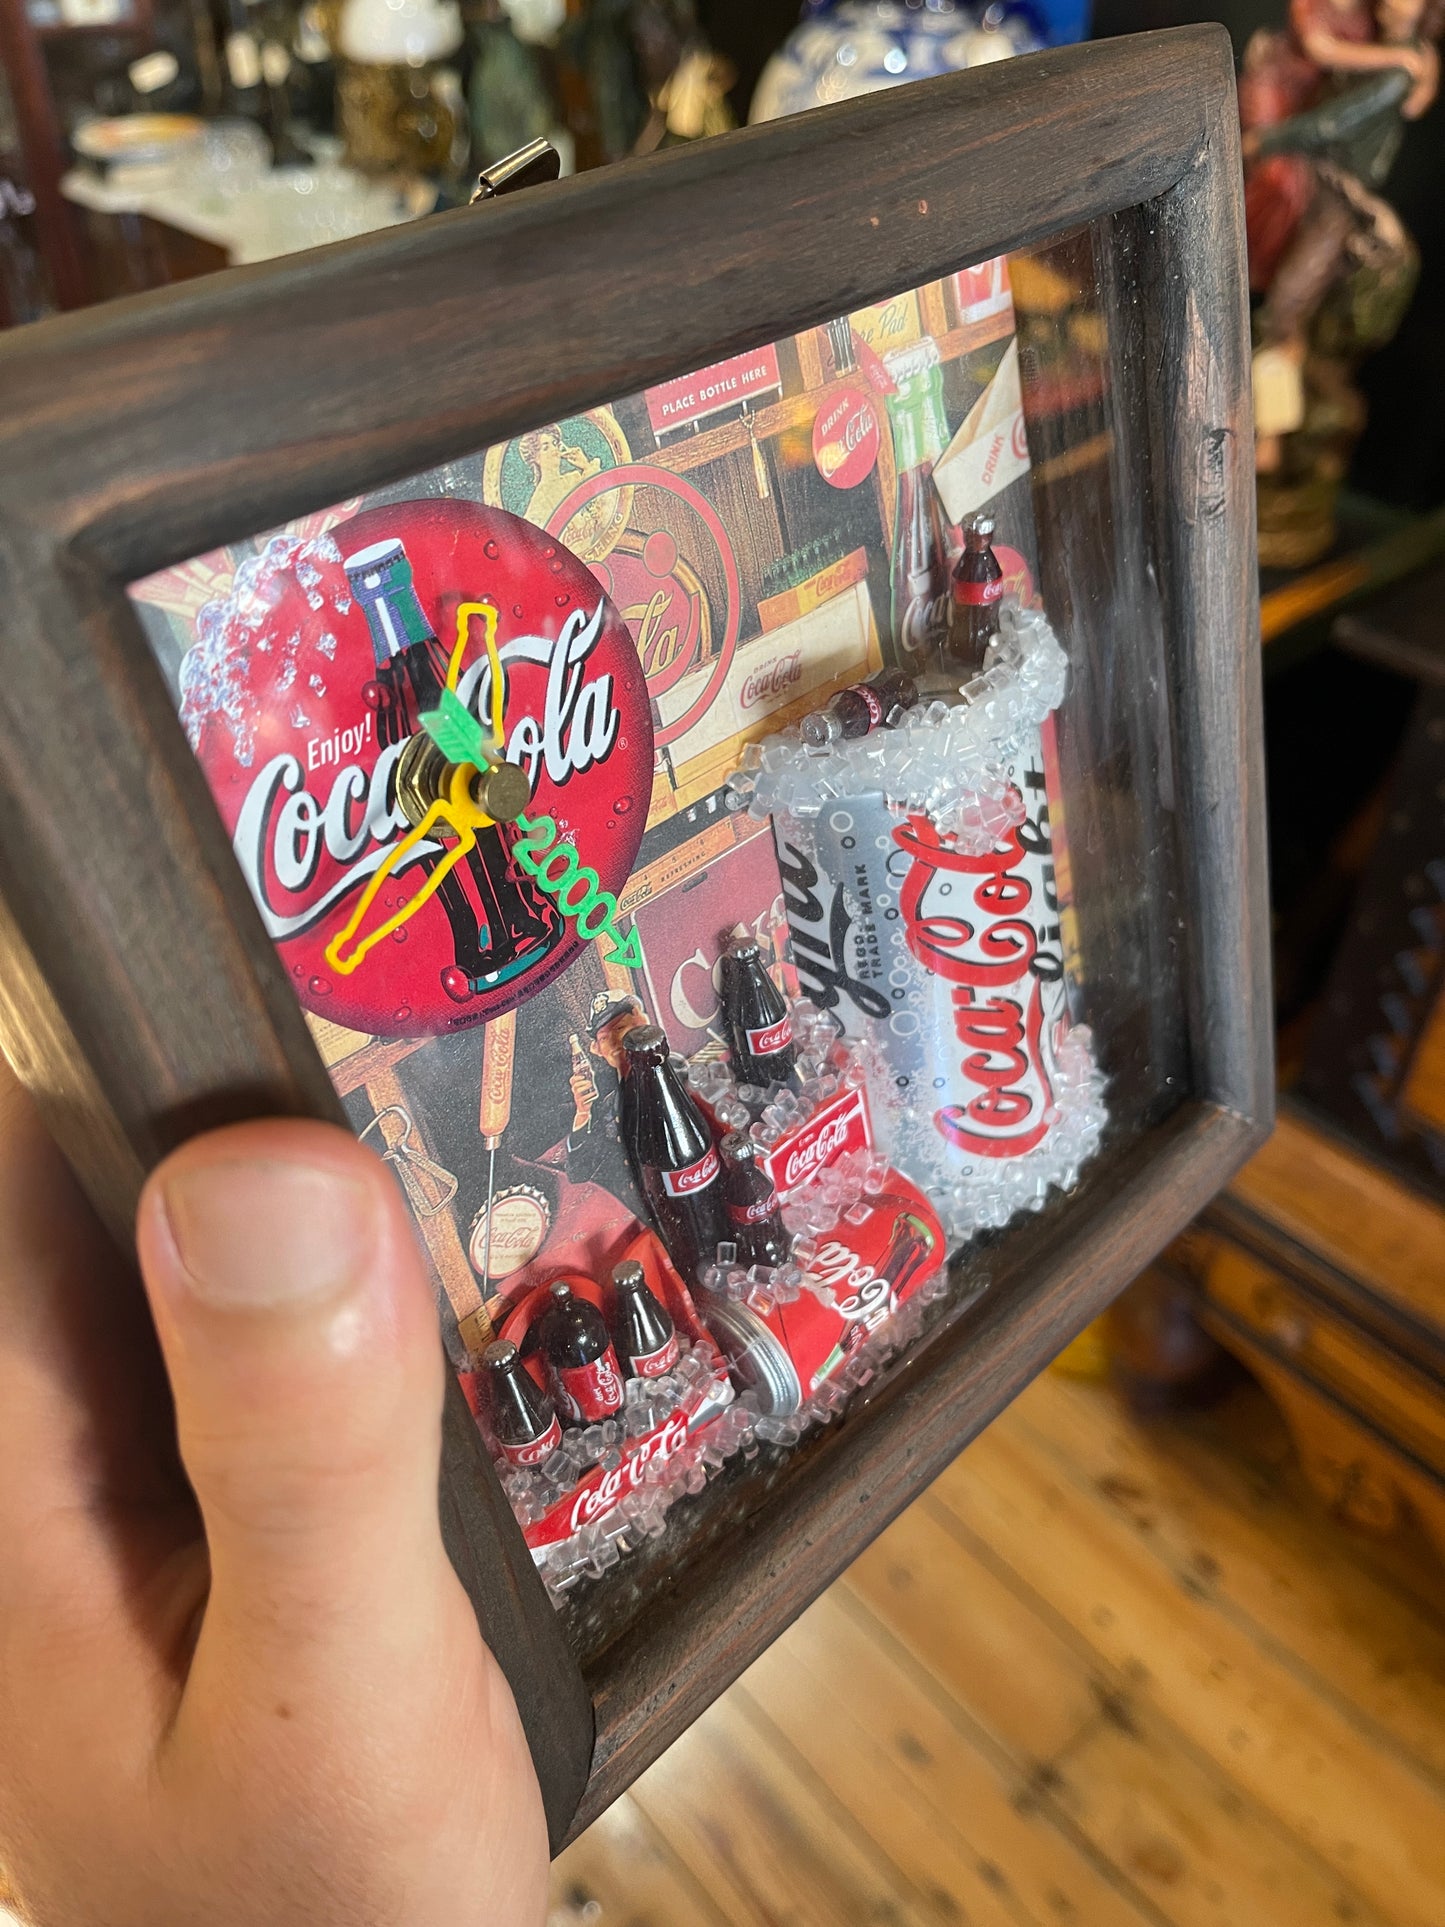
300 1336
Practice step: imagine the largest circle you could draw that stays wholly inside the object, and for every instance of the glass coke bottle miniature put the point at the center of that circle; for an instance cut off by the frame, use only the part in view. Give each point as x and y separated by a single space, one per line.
974 602
760 1031
755 1222
671 1148
642 1327
524 1422
586 1378
879 703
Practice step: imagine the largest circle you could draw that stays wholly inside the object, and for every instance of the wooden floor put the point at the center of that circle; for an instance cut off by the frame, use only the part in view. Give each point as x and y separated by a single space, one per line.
1103 1674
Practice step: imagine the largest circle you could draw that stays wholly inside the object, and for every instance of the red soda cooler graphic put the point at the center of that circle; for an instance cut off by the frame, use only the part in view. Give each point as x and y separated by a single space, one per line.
304 688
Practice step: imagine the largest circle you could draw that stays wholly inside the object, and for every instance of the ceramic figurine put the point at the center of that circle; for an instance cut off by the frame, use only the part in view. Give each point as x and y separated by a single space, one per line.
845 47
1323 106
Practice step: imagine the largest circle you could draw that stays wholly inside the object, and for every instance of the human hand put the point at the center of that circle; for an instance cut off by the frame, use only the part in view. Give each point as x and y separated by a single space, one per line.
583 1086
1425 71
269 1704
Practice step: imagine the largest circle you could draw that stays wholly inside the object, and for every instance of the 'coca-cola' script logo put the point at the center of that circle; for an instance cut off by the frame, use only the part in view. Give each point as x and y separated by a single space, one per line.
771 1038
989 957
693 1177
597 1499
841 1125
762 685
845 437
851 1286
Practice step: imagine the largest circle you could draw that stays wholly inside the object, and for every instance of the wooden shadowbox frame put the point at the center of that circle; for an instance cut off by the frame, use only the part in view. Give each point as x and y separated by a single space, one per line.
140 997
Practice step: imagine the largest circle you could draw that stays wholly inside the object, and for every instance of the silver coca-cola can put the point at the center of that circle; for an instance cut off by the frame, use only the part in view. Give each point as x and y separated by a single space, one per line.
949 960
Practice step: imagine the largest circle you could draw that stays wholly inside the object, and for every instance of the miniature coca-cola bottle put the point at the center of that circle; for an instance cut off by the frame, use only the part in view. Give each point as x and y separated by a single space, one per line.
974 603
754 1220
672 1153
581 1363
920 551
524 1423
643 1328
880 703
760 1031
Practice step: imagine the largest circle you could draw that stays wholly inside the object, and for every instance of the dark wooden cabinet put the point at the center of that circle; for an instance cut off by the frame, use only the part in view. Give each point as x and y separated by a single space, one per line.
1322 1273
141 996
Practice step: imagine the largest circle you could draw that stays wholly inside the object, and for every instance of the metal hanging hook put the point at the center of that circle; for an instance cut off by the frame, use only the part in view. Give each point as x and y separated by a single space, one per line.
530 166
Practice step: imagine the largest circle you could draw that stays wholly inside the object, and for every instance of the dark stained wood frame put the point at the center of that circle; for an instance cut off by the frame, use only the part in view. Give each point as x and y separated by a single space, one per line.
140 996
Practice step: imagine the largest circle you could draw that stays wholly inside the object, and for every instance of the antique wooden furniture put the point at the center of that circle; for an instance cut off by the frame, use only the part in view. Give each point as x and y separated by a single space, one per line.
1325 1276
140 996
1323 1267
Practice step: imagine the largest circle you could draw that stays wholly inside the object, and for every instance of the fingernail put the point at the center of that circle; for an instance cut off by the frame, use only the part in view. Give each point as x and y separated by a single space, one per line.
253 1234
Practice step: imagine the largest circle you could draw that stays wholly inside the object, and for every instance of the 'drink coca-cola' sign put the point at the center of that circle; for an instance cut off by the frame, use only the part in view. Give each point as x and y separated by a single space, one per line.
305 684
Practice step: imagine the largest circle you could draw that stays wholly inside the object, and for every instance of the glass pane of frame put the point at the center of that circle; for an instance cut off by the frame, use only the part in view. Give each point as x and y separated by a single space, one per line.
723 843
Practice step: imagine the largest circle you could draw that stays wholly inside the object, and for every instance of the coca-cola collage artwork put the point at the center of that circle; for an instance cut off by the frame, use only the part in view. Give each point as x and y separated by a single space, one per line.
658 818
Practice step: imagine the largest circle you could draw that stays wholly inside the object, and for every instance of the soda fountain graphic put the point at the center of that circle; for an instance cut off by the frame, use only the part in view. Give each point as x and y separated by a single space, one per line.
302 695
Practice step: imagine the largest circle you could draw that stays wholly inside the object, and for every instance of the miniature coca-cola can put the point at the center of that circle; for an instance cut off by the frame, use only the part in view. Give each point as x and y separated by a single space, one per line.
951 961
984 931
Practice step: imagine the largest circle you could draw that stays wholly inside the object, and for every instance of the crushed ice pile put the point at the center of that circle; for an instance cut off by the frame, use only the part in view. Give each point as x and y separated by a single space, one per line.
946 760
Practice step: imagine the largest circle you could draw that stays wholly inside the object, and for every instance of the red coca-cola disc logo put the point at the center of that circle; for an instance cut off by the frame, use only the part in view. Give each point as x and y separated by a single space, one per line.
301 692
845 437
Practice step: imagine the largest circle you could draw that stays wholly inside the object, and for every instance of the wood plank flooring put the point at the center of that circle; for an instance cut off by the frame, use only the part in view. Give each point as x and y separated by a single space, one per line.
1106 1673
